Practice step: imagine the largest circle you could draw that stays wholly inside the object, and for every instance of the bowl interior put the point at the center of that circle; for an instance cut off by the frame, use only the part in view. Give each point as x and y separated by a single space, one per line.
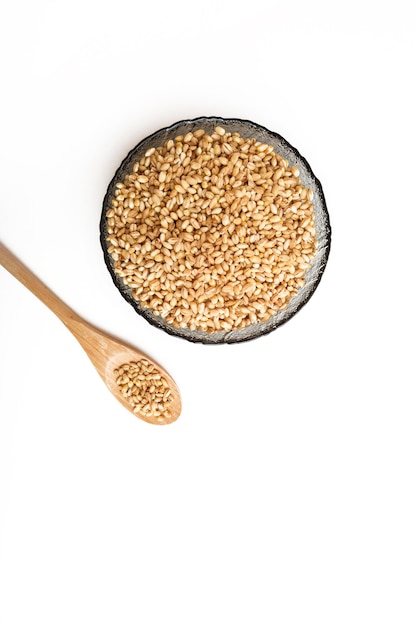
246 129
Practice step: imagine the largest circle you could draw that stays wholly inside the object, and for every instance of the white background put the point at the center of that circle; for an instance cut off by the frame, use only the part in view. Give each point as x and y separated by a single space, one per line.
286 491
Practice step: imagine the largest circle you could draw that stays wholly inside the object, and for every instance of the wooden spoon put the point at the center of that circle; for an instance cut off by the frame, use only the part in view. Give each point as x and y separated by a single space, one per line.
105 352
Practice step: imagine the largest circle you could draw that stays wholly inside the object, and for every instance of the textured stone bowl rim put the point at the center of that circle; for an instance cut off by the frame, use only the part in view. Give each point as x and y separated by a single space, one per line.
247 129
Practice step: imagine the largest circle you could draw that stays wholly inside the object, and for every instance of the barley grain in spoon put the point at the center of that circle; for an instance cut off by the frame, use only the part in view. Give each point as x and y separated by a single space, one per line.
138 382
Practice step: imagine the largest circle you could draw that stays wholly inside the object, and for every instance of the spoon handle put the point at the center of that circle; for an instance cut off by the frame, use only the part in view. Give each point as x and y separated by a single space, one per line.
24 275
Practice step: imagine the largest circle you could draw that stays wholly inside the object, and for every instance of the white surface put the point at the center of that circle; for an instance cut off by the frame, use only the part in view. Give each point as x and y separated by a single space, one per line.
286 492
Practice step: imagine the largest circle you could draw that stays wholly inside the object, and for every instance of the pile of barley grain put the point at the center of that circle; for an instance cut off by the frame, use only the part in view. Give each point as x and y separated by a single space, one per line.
146 390
212 232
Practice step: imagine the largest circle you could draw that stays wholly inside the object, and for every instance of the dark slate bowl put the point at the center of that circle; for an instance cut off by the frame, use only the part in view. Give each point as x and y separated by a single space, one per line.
323 231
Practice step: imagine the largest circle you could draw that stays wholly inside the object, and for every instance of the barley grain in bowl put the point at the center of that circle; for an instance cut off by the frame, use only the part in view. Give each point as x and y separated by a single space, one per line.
215 230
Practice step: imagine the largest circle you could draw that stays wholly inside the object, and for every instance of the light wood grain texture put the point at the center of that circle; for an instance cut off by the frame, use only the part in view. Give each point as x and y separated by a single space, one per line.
105 352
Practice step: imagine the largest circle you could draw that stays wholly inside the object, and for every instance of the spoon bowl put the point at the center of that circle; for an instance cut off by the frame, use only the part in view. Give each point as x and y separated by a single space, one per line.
107 353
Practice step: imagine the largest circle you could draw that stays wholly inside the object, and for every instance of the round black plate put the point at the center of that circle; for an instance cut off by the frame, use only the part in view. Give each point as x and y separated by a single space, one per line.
323 231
